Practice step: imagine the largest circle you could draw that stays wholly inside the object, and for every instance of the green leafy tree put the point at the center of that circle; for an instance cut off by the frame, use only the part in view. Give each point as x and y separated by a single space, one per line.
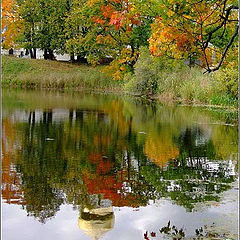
43 23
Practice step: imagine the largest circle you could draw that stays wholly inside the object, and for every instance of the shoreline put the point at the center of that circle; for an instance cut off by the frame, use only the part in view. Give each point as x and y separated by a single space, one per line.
117 92
37 74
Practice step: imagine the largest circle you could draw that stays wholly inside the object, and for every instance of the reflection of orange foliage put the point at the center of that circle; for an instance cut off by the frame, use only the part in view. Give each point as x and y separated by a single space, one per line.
105 182
103 165
111 188
160 150
11 190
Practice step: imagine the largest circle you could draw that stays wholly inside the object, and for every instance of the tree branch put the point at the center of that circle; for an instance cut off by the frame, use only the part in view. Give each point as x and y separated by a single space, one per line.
225 52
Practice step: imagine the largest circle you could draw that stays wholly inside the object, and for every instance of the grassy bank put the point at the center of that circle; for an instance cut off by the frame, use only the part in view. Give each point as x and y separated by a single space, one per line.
31 73
172 80
172 83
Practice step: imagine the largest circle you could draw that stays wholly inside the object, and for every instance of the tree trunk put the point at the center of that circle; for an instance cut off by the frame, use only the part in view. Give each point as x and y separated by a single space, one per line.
191 62
81 59
10 51
78 58
45 54
31 53
72 59
51 54
34 53
48 54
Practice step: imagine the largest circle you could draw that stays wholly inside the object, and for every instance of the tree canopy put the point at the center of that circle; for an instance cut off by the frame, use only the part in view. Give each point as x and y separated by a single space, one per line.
99 31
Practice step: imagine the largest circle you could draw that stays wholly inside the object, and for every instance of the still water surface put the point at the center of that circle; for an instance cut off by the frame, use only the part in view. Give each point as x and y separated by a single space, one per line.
91 166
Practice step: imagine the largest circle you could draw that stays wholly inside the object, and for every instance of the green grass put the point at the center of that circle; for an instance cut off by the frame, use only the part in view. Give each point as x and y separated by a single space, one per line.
224 100
31 73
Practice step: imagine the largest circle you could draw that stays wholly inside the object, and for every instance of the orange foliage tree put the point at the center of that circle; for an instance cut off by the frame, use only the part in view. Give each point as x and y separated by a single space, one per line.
11 23
192 29
116 27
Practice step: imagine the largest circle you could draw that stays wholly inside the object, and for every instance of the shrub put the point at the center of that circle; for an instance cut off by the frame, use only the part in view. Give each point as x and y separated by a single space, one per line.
145 79
228 80
197 87
155 75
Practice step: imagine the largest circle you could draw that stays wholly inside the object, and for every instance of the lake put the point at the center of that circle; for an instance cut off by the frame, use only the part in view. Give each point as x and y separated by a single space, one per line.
97 166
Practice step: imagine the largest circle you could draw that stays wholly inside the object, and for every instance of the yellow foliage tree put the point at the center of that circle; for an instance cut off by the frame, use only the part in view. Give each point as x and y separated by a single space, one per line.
11 23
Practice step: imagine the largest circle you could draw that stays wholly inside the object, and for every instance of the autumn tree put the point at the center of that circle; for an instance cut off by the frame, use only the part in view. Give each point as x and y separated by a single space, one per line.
11 23
196 30
103 31
113 29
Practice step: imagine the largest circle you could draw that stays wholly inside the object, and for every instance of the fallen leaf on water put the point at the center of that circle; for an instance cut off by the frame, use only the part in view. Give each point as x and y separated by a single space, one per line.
50 139
153 234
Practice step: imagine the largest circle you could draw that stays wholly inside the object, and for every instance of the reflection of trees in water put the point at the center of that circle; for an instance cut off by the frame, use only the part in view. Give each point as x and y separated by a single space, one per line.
160 148
41 163
185 185
61 163
191 177
11 188
42 201
195 142
99 153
